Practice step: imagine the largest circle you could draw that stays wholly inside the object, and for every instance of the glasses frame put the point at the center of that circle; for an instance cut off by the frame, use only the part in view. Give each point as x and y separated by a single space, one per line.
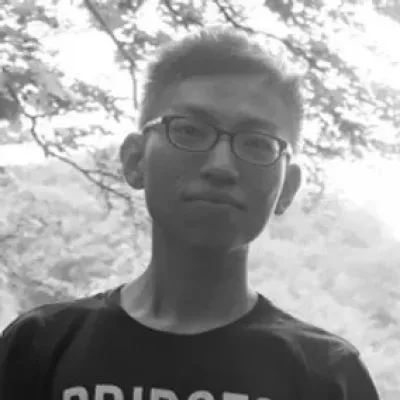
285 148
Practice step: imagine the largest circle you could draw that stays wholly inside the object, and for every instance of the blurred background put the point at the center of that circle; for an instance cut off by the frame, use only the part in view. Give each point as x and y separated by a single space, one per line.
70 87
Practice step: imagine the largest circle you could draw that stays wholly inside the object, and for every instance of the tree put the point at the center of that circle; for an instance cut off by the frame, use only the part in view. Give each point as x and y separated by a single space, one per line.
34 92
351 108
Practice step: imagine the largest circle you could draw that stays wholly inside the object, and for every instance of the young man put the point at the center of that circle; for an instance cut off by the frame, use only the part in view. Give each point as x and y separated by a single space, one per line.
218 122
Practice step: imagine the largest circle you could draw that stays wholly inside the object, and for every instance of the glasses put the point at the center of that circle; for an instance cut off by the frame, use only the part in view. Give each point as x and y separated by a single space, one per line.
253 146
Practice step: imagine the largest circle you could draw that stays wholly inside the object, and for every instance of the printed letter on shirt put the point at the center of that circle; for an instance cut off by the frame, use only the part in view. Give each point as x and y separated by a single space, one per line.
201 395
75 393
103 392
163 394
235 396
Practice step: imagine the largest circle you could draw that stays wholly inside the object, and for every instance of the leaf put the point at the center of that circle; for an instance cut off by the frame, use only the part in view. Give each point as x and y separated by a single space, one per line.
48 80
24 7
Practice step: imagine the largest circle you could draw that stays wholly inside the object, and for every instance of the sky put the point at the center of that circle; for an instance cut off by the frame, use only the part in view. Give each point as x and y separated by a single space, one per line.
373 183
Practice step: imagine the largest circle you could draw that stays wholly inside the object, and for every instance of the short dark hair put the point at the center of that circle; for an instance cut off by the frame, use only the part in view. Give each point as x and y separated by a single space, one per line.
219 51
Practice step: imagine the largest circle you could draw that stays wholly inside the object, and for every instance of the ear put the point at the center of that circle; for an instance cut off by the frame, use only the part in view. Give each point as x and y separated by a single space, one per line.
291 186
131 156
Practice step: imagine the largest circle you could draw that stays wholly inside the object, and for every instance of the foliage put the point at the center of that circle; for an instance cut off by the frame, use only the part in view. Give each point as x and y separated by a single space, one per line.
40 247
352 98
36 95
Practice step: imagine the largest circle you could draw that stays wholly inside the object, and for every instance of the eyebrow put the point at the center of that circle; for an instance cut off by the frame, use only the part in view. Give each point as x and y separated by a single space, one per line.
209 117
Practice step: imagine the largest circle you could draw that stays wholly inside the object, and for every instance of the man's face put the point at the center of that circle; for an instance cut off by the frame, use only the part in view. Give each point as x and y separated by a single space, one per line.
174 179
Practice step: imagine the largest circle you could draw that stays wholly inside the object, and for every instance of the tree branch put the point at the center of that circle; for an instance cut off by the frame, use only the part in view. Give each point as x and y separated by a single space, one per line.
86 172
127 4
178 17
48 152
127 56
109 32
312 63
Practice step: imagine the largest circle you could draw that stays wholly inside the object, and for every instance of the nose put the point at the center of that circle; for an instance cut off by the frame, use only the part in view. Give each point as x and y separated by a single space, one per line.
220 168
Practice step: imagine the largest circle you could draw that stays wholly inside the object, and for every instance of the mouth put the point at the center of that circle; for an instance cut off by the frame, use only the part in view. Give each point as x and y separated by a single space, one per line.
216 199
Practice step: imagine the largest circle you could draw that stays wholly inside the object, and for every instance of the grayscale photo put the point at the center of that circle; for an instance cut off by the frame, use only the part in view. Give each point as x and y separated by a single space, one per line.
200 200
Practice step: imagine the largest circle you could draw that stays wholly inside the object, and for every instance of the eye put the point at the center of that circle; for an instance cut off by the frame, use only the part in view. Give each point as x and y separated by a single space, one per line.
186 132
257 147
189 129
258 142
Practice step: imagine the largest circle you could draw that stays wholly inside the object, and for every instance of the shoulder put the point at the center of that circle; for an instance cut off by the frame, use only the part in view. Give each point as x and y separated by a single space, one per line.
52 318
331 362
28 344
319 349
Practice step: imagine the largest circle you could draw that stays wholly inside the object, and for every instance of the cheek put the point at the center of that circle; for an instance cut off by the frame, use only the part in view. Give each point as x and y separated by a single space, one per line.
165 171
263 190
265 185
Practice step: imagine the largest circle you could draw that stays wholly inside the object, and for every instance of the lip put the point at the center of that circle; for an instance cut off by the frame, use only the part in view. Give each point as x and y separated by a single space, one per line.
216 198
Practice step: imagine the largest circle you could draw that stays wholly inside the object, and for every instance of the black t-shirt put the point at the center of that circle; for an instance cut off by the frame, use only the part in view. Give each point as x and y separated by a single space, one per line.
91 349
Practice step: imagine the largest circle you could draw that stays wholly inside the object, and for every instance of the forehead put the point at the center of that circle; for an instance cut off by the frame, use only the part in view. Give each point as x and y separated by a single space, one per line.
231 100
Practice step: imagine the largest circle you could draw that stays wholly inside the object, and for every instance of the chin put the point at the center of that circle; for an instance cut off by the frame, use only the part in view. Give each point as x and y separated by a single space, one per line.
215 241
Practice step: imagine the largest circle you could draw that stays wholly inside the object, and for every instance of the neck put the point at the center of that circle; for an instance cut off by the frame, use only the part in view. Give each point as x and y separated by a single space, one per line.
188 285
